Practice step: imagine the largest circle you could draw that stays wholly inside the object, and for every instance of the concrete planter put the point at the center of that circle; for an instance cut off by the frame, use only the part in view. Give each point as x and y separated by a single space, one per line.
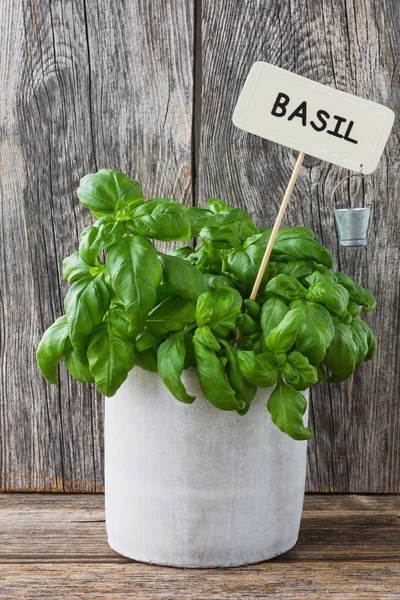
192 486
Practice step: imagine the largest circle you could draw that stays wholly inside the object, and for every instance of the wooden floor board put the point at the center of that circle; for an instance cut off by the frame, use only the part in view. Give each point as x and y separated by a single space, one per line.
55 545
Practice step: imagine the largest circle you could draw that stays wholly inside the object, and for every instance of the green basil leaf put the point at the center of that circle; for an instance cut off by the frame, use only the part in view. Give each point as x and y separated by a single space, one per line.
227 305
263 237
317 277
223 360
297 268
230 215
216 281
280 358
75 268
244 390
160 219
316 332
163 292
286 250
247 325
333 295
228 236
212 380
215 206
253 308
295 232
173 314
146 340
101 191
290 374
78 366
353 309
136 274
199 218
205 257
85 305
341 355
110 358
96 238
171 356
181 252
305 373
360 338
370 338
347 319
287 407
182 278
54 344
147 359
204 309
120 321
284 335
321 373
223 214
245 264
190 359
272 313
286 286
357 294
260 369
205 336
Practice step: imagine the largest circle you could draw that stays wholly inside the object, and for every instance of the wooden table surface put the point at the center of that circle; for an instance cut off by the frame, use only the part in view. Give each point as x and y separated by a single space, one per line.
54 546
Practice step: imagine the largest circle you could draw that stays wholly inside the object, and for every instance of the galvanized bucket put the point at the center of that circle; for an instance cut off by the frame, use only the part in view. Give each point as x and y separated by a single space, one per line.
352 223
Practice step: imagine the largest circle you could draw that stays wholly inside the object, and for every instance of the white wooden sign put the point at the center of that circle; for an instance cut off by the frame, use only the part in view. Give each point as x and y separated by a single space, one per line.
296 112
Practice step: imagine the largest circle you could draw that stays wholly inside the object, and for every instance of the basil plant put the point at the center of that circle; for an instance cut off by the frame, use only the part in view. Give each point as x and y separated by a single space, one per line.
129 304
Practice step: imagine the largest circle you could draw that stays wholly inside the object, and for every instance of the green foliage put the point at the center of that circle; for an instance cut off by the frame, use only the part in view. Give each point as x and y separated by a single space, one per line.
161 219
287 407
272 313
170 360
212 380
173 314
101 192
182 278
284 335
85 306
131 305
332 295
110 358
286 286
75 268
341 355
261 370
316 331
244 265
244 389
135 273
78 367
54 345
219 310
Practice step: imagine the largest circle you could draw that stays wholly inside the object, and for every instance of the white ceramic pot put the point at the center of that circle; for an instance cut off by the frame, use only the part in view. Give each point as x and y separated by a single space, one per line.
193 486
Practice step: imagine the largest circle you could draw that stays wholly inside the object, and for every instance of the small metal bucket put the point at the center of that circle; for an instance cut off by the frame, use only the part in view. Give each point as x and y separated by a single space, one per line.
352 223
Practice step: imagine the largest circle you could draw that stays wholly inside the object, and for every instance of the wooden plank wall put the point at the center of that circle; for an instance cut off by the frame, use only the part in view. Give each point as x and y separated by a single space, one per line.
85 85
149 88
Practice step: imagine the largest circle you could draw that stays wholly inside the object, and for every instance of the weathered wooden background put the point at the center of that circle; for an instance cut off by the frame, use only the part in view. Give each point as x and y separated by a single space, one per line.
149 88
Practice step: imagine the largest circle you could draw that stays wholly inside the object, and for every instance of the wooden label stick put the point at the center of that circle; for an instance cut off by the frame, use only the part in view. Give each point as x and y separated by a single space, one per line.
313 119
277 224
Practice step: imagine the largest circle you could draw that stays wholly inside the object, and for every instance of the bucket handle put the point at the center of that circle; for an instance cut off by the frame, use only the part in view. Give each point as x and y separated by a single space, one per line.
336 202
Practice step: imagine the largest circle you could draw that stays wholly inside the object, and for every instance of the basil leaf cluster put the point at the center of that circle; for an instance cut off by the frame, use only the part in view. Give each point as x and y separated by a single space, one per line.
129 304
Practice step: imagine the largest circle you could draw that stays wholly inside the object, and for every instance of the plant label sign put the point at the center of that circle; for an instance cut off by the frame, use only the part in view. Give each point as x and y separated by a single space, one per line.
299 113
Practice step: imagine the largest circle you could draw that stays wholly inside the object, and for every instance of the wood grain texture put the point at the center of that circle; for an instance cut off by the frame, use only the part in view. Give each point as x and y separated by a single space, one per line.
84 85
55 545
354 47
92 84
